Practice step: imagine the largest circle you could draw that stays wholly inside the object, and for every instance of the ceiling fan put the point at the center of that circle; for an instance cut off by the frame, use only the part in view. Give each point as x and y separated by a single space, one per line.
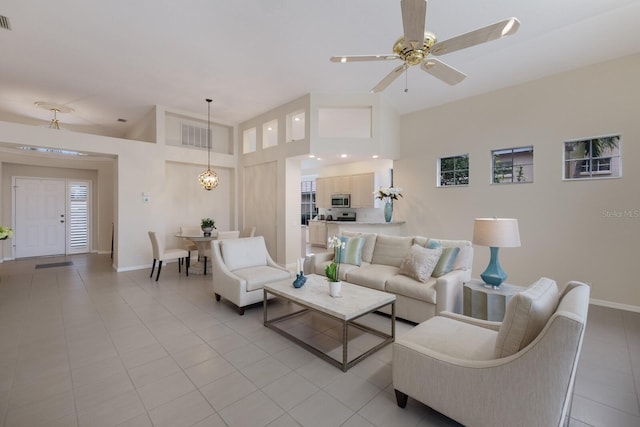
418 47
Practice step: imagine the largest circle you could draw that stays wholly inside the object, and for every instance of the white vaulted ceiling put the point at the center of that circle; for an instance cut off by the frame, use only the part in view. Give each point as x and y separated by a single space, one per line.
117 59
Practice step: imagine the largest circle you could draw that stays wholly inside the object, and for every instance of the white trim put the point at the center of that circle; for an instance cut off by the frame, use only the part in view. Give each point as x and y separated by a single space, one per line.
142 267
625 307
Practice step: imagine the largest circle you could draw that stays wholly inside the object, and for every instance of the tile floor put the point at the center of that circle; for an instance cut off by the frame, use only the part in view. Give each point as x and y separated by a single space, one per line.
82 345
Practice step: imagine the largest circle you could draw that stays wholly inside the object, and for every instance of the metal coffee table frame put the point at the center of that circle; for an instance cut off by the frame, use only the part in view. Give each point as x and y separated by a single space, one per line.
345 364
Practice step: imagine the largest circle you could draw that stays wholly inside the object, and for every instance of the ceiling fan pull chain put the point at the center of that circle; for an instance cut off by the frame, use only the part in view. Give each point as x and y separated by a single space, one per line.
406 80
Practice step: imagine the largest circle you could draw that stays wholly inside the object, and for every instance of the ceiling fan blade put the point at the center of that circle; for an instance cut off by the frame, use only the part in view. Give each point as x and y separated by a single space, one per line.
482 35
358 58
413 16
442 71
389 78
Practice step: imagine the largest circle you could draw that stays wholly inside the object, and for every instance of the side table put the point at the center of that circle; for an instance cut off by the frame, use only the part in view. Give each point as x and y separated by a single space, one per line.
486 303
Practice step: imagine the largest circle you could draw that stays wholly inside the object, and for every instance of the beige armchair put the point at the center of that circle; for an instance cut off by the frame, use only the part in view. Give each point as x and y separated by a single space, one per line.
241 267
519 372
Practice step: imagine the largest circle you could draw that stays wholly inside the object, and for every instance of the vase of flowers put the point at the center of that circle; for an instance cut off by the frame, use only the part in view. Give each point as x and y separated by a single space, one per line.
207 225
388 195
5 233
333 270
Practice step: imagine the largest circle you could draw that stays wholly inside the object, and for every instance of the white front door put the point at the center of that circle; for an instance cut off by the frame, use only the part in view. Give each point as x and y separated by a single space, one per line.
40 217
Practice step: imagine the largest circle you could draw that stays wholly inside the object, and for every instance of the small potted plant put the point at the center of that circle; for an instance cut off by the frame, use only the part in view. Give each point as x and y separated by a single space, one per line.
5 233
207 225
332 271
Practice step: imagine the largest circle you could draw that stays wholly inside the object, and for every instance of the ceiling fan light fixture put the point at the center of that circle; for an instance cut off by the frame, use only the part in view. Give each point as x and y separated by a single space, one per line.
511 27
208 179
55 108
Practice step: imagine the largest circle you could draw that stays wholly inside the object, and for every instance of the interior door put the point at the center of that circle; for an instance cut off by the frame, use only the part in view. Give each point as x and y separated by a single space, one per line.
40 217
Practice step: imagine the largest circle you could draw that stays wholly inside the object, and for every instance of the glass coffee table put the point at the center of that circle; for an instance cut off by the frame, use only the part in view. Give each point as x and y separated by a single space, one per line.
355 302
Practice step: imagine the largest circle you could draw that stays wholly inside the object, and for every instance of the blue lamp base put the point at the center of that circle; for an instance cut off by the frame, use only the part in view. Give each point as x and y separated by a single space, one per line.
494 275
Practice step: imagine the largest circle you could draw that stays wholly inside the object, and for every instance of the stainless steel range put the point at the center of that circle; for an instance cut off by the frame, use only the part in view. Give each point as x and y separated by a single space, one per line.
346 216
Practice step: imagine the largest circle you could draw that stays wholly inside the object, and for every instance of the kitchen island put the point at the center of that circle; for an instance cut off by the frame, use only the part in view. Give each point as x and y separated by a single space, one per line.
323 229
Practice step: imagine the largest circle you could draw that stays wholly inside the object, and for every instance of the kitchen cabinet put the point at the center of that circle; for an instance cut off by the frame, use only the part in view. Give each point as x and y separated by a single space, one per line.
318 232
362 187
359 186
323 193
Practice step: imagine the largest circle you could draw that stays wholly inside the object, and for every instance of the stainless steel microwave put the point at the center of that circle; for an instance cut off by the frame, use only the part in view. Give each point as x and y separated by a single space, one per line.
340 200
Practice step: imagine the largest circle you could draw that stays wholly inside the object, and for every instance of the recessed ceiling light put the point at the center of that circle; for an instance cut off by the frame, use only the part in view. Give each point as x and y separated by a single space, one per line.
375 156
344 156
311 156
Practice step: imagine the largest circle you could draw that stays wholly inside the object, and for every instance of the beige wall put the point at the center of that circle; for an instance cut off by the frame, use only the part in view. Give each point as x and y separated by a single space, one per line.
565 231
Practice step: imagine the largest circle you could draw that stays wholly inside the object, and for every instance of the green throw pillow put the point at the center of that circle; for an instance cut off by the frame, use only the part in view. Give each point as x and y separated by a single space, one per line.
446 261
352 252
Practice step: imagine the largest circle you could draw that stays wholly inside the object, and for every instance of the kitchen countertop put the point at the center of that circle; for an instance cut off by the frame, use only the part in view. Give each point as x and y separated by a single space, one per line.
360 222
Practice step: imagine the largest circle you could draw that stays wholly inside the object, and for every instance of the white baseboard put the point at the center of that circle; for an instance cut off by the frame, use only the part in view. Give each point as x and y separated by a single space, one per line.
616 305
132 268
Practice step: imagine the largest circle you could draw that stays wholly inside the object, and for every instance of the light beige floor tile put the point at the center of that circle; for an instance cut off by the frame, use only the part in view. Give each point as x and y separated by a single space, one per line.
209 371
265 371
383 411
143 355
321 409
141 420
133 338
284 420
245 356
96 393
165 390
352 391
374 371
289 390
357 421
211 421
176 344
214 332
153 371
184 411
597 414
194 355
227 390
319 372
39 413
294 357
122 407
254 410
40 390
97 372
228 343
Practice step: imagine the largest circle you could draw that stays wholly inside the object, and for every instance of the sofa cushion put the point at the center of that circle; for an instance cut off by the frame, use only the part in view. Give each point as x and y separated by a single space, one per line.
464 259
390 250
410 288
243 253
445 263
257 277
352 251
525 316
372 276
420 262
369 243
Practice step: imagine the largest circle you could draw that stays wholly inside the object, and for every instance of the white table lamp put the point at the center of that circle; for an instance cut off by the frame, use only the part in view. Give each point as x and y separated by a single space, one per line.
495 233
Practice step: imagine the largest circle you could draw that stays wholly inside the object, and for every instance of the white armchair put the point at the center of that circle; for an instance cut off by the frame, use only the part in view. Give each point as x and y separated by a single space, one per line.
241 267
517 372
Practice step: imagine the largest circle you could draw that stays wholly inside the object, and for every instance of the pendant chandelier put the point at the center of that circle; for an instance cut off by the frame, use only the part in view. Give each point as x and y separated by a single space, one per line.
55 109
208 179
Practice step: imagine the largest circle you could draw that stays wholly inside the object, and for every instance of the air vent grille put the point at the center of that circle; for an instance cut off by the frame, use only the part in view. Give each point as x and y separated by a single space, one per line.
194 136
4 23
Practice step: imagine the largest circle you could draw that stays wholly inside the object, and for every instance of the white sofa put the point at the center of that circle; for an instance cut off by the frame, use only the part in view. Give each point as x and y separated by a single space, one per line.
241 267
381 267
519 372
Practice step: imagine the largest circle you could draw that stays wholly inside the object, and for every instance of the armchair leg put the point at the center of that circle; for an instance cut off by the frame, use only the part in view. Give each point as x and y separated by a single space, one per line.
241 311
205 265
187 264
153 267
159 268
401 398
217 297
180 260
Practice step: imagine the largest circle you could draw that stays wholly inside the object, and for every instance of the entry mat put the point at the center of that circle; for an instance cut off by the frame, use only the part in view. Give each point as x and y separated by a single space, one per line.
54 264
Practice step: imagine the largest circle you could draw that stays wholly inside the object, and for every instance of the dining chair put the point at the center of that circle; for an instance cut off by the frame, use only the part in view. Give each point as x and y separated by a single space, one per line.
248 232
222 235
188 244
160 253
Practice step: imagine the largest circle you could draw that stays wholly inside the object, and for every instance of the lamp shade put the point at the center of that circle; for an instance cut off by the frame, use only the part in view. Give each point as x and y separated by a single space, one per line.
496 232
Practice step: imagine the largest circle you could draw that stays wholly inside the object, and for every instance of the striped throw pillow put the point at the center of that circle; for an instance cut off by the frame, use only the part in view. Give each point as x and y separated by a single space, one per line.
352 252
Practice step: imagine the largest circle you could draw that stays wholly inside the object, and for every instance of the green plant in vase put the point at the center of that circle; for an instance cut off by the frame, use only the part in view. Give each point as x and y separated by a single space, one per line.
207 225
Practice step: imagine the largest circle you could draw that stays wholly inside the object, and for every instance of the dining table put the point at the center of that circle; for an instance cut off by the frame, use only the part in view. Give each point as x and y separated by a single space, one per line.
203 243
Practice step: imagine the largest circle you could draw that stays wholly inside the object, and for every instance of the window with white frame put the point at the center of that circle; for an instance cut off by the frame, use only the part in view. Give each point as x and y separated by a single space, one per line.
453 171
512 165
593 158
